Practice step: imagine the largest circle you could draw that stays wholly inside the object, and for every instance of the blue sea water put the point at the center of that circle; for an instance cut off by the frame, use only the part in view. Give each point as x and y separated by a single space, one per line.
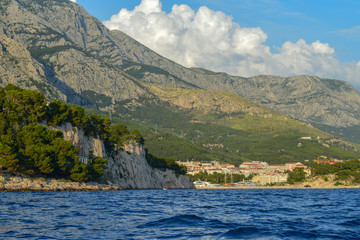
182 214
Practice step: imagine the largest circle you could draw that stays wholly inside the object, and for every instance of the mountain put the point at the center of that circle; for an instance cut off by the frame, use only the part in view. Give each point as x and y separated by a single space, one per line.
56 47
208 125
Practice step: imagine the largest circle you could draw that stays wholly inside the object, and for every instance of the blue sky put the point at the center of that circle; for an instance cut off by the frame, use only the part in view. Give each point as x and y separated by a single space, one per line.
290 20
333 23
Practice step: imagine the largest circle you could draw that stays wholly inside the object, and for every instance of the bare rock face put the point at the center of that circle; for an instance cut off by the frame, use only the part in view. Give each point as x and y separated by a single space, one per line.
128 167
130 170
19 68
310 99
63 42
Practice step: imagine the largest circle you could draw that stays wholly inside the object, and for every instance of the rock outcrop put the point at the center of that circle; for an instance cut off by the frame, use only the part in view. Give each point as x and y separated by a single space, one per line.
18 183
127 167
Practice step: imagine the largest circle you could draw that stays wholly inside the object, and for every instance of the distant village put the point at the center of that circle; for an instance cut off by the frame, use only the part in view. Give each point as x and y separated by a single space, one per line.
263 173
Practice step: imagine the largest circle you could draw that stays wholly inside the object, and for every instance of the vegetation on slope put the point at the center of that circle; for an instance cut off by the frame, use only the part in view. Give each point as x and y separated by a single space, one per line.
344 171
208 125
341 173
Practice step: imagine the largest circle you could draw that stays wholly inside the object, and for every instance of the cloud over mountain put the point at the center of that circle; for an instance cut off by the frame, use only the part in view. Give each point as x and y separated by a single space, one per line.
212 40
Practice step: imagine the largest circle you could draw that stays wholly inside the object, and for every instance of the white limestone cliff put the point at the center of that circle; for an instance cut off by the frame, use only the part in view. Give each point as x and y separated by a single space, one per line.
128 167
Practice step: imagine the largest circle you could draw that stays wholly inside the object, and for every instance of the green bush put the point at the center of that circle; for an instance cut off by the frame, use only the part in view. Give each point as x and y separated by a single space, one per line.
297 175
163 164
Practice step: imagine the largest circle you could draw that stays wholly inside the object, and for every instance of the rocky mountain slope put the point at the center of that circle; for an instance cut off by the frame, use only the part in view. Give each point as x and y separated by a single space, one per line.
58 48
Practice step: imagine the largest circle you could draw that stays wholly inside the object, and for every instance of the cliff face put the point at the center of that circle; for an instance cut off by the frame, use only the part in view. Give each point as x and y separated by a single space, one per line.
127 168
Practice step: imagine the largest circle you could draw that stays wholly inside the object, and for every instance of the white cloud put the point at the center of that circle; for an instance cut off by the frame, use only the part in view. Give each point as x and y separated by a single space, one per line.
212 40
73 1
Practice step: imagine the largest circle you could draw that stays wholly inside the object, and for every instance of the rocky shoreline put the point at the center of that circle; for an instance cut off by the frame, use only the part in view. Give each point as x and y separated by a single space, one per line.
9 183
286 187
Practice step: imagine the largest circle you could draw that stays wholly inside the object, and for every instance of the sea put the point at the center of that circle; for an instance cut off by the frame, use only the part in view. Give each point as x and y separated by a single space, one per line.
182 214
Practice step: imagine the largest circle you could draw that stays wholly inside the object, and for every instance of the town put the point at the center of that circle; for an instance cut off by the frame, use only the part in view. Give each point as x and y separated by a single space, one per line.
260 173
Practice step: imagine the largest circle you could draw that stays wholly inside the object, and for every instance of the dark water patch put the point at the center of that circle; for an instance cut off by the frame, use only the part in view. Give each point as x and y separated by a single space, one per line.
64 206
351 223
184 220
28 221
78 214
284 209
248 232
316 205
68 227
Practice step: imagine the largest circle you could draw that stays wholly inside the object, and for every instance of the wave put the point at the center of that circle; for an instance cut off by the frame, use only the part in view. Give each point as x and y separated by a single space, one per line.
249 232
183 221
352 223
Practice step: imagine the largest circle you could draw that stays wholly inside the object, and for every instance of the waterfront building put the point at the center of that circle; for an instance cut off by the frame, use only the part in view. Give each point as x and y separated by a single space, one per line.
266 179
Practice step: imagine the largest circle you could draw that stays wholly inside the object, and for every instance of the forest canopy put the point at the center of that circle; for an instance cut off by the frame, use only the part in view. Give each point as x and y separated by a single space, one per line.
26 147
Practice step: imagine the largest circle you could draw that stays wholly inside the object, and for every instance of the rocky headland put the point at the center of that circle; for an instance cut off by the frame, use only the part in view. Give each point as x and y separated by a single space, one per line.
127 167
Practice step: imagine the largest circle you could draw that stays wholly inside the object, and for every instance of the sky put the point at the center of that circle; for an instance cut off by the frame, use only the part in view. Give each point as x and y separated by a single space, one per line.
245 37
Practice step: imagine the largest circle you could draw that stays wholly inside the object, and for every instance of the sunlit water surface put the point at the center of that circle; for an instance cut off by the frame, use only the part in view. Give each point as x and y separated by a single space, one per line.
182 214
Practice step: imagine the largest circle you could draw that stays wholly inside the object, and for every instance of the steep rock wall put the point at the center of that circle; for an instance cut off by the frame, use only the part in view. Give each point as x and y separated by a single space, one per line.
126 168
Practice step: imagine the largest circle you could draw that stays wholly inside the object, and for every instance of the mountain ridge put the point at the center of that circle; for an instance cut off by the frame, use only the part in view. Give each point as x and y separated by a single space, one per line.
74 57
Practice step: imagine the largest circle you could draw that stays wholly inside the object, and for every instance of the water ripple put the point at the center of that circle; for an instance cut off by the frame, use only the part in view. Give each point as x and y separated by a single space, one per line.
182 214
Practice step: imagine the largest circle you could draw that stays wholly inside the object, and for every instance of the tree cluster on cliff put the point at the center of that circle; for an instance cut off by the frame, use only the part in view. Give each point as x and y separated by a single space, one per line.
165 163
30 148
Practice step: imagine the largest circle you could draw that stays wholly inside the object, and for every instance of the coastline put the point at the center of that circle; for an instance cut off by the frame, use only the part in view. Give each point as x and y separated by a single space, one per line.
9 183
285 187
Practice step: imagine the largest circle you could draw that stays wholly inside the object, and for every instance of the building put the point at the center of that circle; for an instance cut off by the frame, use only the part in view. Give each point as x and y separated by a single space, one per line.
83 160
253 167
292 166
201 184
276 169
266 179
214 170
246 168
215 163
